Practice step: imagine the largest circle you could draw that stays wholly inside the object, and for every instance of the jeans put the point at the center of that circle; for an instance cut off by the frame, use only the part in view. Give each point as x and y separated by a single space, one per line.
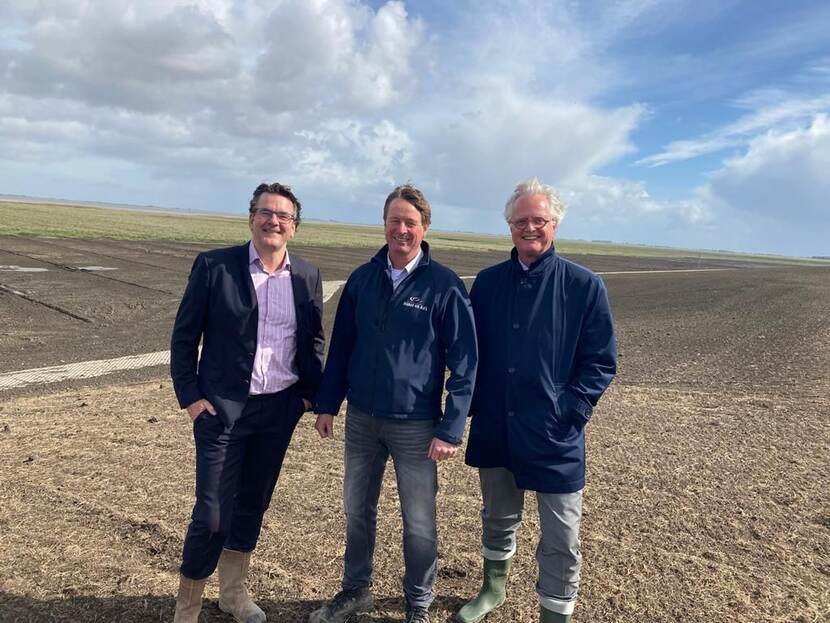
558 554
236 472
369 443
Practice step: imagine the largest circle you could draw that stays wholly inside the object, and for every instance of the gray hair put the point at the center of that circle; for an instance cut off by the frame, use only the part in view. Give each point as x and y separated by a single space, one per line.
533 186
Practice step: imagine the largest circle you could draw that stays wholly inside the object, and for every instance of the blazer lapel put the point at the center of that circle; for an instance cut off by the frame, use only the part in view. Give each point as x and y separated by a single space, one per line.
247 287
300 289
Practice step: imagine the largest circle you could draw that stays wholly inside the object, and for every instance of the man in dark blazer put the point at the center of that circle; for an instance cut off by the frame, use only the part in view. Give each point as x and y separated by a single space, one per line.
258 315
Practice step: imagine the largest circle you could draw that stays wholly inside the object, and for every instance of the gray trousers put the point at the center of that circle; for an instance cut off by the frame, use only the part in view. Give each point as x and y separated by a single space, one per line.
558 553
370 441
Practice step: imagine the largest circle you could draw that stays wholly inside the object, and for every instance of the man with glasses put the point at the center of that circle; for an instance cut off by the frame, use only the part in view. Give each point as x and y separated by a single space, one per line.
402 320
547 353
258 315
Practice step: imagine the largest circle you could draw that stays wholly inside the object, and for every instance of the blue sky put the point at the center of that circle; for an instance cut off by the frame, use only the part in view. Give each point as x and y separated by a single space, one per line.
698 124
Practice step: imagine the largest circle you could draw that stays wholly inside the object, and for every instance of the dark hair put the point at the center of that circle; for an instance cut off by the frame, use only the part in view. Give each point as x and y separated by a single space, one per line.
276 189
409 193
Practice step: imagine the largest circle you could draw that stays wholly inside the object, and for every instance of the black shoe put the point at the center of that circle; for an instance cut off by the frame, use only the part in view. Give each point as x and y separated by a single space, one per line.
417 615
345 604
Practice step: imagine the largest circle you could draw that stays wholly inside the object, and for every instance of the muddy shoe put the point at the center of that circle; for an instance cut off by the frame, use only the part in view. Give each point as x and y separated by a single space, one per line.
345 604
417 615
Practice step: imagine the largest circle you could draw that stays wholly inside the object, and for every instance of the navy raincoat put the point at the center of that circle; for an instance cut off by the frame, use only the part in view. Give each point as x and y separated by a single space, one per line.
546 354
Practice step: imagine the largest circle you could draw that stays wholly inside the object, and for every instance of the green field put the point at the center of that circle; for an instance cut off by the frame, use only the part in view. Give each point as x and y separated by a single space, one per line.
73 221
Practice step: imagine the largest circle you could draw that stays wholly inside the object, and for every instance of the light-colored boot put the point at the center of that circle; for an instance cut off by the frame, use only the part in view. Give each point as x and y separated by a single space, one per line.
233 596
549 616
491 595
189 600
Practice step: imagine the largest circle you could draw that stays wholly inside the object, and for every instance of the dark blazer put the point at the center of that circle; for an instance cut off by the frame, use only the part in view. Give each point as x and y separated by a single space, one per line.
219 307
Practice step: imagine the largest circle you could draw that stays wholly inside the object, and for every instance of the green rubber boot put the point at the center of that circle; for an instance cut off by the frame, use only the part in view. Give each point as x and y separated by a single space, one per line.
549 616
491 595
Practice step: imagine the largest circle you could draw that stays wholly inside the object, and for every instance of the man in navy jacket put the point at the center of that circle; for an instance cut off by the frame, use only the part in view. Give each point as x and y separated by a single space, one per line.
402 320
258 315
547 353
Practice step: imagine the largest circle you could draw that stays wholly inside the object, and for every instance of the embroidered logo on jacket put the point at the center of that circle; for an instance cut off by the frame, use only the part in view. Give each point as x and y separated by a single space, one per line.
415 303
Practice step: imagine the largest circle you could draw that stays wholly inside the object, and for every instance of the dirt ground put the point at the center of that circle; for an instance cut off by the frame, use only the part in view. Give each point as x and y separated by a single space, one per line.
706 499
72 315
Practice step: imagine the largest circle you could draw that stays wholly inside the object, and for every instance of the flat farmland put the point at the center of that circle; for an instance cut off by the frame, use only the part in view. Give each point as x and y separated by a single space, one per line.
706 500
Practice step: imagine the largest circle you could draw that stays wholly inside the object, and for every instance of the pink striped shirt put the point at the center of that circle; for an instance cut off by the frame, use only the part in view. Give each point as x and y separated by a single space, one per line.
274 364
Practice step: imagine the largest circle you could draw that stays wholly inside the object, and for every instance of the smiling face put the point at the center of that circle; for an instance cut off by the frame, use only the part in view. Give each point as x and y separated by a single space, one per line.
531 240
404 230
269 235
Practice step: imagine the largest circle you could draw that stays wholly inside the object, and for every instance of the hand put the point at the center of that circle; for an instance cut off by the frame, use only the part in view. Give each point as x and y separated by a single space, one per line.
325 425
200 406
306 405
440 450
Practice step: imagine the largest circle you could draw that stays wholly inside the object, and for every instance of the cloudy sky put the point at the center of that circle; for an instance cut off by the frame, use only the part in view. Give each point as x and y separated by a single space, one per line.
700 123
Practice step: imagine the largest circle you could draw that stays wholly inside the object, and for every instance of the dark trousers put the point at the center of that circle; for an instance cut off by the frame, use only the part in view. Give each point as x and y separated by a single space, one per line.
236 472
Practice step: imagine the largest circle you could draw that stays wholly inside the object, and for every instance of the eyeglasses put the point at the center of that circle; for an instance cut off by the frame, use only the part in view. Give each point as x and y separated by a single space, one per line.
266 215
537 221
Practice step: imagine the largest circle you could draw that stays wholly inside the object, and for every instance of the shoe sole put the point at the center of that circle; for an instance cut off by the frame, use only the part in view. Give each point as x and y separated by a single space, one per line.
364 608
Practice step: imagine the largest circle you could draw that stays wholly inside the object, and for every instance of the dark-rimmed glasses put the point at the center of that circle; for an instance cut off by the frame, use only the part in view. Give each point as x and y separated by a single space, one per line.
266 215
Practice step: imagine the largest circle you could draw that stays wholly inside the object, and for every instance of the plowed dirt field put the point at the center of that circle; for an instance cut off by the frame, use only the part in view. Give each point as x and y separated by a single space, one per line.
707 497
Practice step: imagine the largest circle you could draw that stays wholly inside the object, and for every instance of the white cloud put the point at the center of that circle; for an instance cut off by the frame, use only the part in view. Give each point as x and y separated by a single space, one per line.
473 150
181 43
175 85
382 70
613 201
771 109
781 172
307 45
772 198
315 92
777 192
295 55
350 155
603 208
331 53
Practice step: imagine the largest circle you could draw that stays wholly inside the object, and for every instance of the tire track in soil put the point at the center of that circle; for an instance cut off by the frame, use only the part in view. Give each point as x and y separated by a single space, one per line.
117 257
72 269
180 250
32 299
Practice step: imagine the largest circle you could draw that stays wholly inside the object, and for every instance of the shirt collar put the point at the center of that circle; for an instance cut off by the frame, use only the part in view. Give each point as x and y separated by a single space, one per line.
253 256
542 260
410 265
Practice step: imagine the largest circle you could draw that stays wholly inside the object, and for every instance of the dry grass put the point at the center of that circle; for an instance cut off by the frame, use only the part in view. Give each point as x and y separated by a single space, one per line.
700 507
